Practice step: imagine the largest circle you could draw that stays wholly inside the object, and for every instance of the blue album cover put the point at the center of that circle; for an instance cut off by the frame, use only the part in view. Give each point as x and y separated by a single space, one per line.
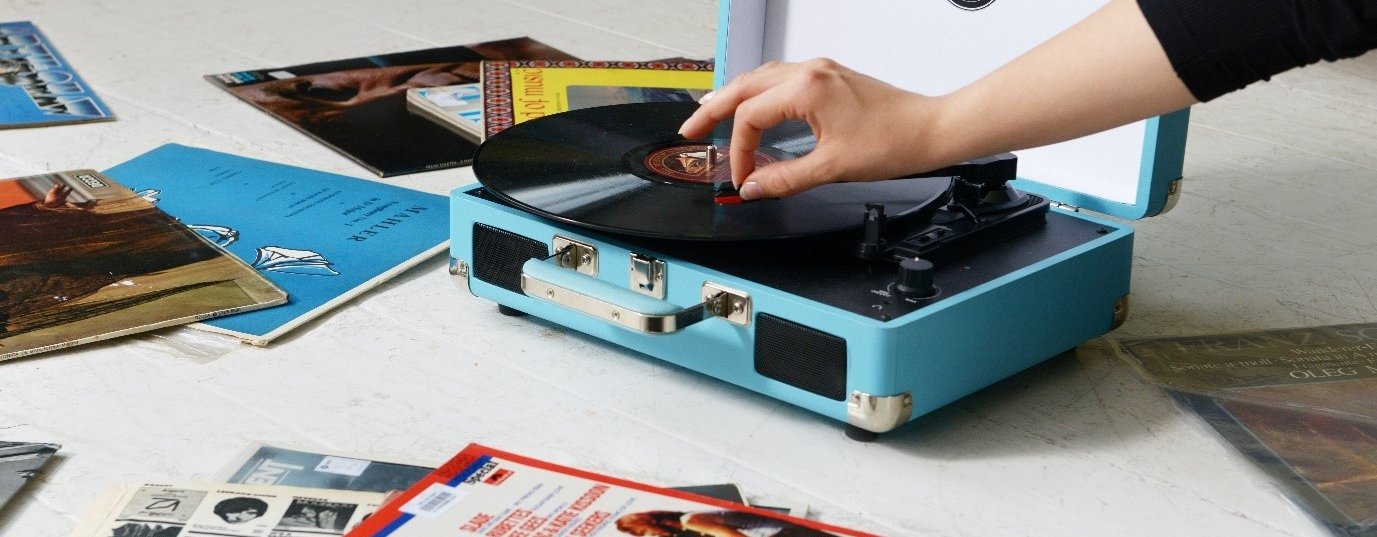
37 85
321 237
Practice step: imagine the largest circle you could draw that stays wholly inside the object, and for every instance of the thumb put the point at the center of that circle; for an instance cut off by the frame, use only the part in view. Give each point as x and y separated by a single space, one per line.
786 178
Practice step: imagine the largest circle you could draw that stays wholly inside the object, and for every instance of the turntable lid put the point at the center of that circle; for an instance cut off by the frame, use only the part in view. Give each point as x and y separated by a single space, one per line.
937 46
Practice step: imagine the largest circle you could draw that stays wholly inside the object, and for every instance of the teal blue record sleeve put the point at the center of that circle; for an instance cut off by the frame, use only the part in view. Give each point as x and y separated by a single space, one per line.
322 237
38 86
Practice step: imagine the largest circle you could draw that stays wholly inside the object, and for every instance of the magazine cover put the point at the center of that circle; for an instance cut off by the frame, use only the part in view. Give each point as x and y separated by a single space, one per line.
271 465
358 106
221 510
322 237
262 464
84 259
458 108
483 491
1324 462
517 91
19 461
37 85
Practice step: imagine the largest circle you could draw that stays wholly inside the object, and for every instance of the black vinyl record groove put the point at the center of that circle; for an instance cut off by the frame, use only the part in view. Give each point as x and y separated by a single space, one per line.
624 169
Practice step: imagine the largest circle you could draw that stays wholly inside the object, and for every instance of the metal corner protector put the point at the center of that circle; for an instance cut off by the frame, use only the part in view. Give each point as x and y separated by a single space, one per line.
879 413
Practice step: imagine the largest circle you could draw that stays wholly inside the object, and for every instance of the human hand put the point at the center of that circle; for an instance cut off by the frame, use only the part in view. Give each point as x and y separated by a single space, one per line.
57 196
866 130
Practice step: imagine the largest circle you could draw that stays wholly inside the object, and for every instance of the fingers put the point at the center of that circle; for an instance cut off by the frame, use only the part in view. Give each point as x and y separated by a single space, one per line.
721 104
752 118
57 195
789 177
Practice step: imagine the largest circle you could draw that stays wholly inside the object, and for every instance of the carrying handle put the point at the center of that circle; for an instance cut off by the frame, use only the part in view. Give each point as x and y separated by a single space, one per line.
545 280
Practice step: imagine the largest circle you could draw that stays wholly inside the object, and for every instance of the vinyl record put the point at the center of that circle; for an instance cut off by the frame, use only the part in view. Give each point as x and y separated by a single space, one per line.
624 169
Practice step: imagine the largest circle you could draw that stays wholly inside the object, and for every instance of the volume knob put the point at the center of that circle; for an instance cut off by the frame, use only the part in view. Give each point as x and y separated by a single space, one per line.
915 279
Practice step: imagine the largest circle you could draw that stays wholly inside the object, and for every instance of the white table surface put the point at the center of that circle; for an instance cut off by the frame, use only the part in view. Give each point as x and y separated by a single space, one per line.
1274 230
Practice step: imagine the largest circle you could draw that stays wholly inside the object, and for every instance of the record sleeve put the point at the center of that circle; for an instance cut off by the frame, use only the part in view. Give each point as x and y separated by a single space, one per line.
1324 462
19 461
458 108
519 91
263 464
483 491
358 106
224 510
1323 368
38 86
82 258
324 238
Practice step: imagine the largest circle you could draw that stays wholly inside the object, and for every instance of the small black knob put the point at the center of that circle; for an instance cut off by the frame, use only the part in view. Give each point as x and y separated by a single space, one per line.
915 279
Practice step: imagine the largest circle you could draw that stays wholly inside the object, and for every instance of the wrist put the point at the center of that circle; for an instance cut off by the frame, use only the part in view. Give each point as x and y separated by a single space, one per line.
940 138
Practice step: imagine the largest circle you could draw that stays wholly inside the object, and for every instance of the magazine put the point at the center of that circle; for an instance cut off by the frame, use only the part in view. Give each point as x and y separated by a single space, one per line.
517 91
19 461
458 108
271 465
324 238
262 464
84 259
1326 463
221 510
37 85
483 491
358 106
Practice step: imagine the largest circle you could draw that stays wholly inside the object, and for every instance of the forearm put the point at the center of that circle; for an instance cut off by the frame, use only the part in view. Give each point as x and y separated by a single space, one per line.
1105 71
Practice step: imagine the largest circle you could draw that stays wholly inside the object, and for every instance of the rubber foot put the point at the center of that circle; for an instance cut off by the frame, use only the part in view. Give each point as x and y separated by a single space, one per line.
861 435
510 312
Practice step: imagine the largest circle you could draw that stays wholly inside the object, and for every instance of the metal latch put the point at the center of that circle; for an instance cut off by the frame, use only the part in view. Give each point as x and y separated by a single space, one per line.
727 303
647 275
572 254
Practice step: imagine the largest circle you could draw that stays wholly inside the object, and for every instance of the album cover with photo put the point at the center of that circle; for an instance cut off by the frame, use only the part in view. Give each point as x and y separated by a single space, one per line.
358 106
37 85
83 259
484 491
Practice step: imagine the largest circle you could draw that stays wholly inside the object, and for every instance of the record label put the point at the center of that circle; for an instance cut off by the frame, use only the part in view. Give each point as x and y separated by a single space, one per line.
689 162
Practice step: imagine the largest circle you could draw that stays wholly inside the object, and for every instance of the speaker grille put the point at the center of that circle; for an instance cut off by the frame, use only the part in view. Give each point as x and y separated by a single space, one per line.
800 356
498 255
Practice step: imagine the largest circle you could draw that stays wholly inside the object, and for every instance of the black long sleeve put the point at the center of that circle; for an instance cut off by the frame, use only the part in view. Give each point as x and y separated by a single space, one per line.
1218 46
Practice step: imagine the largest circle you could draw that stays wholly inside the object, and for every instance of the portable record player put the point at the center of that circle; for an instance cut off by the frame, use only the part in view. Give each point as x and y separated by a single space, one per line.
870 303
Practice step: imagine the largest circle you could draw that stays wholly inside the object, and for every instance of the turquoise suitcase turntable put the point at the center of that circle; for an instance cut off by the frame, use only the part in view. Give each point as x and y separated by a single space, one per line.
869 303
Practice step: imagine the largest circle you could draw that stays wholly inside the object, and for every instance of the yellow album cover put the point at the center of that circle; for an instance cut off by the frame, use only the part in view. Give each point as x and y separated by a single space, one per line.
517 91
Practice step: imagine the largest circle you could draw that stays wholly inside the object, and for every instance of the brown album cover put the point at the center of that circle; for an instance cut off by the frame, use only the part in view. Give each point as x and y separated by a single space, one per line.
82 258
1326 462
1326 368
358 106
